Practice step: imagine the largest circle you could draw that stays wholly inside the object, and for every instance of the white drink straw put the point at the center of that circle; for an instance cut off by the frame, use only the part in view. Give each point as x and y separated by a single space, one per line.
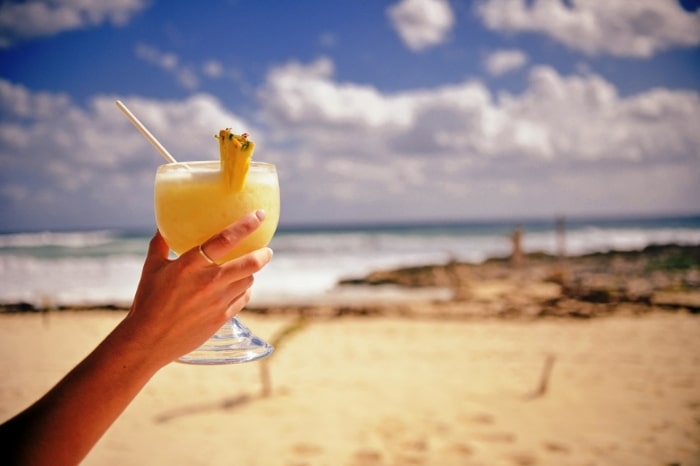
147 134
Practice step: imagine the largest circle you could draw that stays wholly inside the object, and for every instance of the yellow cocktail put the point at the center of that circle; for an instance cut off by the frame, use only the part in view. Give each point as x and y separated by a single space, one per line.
193 202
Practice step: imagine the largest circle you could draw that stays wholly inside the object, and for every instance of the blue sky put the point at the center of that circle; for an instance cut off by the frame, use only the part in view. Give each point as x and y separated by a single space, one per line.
373 111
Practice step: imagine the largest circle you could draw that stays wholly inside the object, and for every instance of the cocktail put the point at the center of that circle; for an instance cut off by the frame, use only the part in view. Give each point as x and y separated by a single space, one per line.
194 201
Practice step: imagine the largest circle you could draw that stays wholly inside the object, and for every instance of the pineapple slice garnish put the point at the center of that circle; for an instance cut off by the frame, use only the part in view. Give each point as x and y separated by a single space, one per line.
235 152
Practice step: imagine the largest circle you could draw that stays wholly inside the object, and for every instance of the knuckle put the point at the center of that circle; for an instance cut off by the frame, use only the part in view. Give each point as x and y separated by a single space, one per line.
253 262
232 235
245 283
226 238
243 229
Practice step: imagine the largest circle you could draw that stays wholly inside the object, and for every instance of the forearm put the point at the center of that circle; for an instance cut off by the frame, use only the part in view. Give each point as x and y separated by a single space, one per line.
62 426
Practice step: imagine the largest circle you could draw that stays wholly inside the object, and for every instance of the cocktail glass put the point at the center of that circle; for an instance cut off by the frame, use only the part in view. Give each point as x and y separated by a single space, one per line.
192 203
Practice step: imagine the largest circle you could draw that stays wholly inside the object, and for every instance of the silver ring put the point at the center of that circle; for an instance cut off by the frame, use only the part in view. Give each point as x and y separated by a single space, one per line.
205 256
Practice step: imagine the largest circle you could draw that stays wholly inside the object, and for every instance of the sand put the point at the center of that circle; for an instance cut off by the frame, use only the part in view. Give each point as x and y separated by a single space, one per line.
622 390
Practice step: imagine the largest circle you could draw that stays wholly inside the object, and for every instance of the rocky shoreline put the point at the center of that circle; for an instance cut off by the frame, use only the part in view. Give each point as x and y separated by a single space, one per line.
659 277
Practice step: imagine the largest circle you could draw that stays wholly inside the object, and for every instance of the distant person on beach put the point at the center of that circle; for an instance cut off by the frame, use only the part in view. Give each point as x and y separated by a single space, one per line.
516 255
178 305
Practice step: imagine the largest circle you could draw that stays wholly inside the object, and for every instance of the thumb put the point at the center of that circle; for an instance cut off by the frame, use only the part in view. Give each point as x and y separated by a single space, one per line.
157 251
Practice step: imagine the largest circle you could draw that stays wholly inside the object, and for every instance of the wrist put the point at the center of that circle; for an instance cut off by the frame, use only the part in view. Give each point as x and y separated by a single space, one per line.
132 351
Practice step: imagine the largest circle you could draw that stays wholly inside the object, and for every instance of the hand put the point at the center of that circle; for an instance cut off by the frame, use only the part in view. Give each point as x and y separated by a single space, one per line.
180 303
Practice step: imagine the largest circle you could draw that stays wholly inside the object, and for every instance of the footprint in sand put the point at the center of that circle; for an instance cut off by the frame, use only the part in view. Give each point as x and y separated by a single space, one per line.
481 418
523 458
367 458
486 419
414 445
390 428
306 449
496 437
403 446
461 449
556 447
412 451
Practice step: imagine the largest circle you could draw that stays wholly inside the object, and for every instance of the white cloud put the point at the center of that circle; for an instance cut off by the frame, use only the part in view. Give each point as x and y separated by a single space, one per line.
20 102
422 23
579 117
511 148
166 61
345 151
75 166
187 75
504 61
213 69
639 28
582 118
21 20
171 63
306 95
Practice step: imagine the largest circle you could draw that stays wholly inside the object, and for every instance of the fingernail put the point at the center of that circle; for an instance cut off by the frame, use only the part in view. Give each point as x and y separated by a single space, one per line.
260 214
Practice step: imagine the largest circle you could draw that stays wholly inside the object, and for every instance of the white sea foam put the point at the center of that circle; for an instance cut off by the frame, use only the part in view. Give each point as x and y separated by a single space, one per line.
49 238
103 267
68 281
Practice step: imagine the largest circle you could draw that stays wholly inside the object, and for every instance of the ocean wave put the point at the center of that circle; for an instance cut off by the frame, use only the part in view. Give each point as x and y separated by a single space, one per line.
595 239
73 240
68 281
104 266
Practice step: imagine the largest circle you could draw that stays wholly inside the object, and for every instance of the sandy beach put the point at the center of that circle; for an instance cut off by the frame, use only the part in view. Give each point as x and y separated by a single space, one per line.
386 391
452 383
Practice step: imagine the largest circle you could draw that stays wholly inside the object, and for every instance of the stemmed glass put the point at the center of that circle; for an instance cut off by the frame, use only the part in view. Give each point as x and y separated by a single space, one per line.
192 203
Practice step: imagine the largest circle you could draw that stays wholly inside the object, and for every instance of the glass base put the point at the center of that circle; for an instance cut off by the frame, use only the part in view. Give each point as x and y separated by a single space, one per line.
233 343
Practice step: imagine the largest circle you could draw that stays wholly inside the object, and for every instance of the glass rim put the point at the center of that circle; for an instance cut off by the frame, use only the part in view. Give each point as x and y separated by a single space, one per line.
201 163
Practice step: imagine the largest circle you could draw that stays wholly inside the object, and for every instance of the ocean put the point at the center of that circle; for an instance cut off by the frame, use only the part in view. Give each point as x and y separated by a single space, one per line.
102 267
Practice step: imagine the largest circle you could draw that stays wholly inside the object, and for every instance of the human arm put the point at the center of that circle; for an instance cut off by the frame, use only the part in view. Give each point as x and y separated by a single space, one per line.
178 305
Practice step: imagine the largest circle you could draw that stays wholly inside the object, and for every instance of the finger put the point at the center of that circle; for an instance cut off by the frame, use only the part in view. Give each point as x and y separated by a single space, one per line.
223 293
247 264
204 255
238 304
157 251
219 245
